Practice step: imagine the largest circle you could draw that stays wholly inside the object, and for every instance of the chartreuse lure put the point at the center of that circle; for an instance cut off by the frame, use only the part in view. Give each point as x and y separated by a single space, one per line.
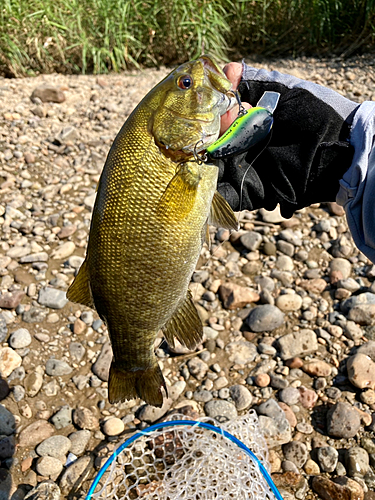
249 128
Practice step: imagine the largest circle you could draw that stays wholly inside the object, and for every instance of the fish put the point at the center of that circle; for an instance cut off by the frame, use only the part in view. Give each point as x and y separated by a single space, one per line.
155 199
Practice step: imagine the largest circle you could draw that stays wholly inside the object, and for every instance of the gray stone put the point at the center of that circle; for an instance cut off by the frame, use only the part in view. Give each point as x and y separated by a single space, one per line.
151 414
35 433
20 338
7 446
343 421
357 461
57 367
49 466
328 458
7 421
87 317
33 383
241 396
220 410
241 352
18 393
202 396
266 349
356 300
265 318
101 366
54 446
293 237
62 418
276 432
79 441
46 490
285 247
297 343
368 349
34 257
289 395
341 265
52 298
296 452
3 329
77 351
34 315
197 368
251 240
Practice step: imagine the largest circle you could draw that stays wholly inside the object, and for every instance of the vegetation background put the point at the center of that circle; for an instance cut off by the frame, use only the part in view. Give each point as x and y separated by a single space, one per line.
81 36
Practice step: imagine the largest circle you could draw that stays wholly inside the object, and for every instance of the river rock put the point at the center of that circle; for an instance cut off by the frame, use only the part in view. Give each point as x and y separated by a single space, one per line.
7 422
361 371
220 410
289 302
297 343
343 421
341 488
241 396
46 490
52 298
9 361
265 318
49 466
101 366
234 296
35 433
54 446
328 458
241 352
48 93
20 338
75 474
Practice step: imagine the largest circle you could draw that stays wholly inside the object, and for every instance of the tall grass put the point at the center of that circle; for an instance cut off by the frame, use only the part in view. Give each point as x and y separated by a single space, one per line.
111 35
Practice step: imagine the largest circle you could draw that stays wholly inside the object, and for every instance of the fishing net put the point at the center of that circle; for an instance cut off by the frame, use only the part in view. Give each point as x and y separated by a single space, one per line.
189 462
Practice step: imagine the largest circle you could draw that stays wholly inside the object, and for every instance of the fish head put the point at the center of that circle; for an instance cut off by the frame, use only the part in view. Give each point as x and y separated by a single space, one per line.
194 96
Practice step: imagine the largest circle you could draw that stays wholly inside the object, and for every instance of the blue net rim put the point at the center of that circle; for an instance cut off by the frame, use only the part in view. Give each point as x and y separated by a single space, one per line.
176 423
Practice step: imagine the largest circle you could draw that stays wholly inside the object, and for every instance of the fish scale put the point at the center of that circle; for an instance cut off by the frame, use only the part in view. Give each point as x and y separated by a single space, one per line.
152 207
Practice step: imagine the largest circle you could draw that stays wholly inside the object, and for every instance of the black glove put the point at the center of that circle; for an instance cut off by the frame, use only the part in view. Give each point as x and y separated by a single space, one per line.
308 151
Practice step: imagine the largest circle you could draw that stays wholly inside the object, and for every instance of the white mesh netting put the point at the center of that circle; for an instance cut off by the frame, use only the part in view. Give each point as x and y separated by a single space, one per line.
190 463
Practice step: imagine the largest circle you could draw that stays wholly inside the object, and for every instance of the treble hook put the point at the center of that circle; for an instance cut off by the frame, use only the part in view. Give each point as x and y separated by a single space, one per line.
242 110
197 157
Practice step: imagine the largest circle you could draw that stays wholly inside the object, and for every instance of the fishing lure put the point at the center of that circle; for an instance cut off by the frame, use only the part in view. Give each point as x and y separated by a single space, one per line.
249 128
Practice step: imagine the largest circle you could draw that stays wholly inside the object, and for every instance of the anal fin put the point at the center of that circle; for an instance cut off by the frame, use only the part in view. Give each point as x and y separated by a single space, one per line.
146 384
185 325
221 214
80 291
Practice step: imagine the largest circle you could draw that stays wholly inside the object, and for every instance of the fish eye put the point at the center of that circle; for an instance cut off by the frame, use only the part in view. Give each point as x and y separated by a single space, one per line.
185 82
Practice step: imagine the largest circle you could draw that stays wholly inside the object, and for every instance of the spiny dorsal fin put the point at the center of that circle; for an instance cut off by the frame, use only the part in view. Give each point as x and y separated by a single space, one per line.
221 214
80 291
185 325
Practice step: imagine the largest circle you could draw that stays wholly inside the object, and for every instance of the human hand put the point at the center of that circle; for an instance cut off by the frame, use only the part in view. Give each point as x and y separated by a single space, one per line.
307 154
233 72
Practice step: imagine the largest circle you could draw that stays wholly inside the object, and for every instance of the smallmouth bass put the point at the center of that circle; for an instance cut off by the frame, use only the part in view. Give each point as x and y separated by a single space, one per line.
149 222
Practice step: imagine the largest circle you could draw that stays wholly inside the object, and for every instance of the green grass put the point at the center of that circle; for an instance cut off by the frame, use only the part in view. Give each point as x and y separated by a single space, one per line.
85 36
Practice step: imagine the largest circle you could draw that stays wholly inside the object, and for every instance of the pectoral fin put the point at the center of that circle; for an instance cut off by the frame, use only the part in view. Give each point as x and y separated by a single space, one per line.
221 214
80 291
179 196
185 325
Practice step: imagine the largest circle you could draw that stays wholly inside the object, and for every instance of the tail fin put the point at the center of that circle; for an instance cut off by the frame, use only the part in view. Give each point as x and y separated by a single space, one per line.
146 384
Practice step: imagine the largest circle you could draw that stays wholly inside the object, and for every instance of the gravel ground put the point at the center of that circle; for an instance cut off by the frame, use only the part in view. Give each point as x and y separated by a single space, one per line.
288 305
